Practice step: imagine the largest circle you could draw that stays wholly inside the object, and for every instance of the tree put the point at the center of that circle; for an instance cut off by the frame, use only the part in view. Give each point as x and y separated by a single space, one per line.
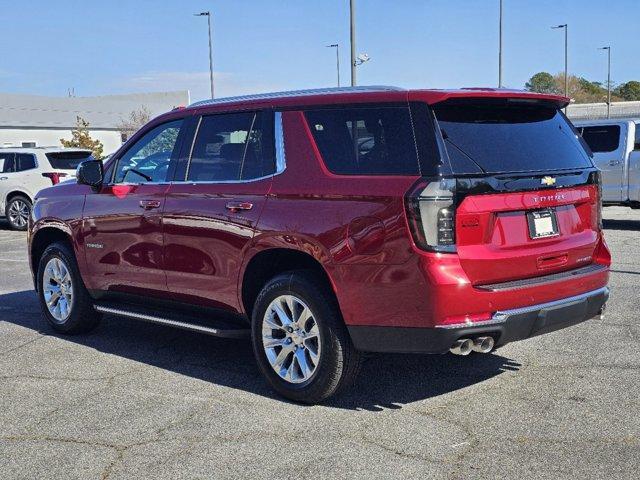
542 82
137 119
629 91
81 138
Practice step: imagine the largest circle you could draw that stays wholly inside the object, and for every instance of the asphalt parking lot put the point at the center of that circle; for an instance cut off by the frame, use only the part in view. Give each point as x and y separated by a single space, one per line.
134 400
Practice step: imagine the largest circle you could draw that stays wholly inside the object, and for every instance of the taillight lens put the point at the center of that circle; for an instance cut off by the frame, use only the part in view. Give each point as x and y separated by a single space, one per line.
599 206
431 214
54 176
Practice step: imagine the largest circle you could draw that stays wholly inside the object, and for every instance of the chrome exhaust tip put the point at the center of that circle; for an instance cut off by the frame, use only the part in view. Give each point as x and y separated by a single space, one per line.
483 344
462 347
604 307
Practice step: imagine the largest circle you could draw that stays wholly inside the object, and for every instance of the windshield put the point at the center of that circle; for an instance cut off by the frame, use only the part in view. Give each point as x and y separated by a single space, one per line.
501 137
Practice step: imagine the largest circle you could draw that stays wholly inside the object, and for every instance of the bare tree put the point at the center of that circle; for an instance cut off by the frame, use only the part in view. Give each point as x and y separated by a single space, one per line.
137 119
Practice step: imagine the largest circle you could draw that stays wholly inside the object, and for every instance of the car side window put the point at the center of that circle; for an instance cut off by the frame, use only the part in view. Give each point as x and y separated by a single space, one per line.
232 147
7 163
148 159
636 145
25 161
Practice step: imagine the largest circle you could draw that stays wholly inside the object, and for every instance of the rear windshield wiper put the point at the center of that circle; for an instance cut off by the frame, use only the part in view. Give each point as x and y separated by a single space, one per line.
450 142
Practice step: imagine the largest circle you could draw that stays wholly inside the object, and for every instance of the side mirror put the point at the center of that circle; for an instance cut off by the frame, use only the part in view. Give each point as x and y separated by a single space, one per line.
90 172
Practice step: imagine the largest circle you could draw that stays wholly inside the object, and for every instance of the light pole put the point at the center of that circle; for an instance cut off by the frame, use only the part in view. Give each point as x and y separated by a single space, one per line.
352 30
337 47
566 59
608 49
500 49
208 15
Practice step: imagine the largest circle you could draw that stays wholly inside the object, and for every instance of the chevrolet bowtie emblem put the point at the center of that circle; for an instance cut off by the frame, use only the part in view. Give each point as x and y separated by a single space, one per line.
548 181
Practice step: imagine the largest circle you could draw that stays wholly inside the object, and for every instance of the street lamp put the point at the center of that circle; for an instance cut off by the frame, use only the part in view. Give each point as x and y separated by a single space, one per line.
608 49
500 49
337 47
208 15
566 59
352 34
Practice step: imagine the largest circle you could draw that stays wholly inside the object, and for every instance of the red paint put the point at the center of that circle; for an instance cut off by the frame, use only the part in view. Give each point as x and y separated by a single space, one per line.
195 249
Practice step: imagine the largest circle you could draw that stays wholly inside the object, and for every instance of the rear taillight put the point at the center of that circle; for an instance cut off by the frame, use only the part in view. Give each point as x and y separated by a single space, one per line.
54 176
599 200
431 214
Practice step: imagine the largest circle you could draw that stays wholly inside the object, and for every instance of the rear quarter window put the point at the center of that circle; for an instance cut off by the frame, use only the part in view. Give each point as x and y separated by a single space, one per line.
372 140
67 160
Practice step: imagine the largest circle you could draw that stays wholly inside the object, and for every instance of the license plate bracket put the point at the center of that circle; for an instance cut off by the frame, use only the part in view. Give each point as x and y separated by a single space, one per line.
542 223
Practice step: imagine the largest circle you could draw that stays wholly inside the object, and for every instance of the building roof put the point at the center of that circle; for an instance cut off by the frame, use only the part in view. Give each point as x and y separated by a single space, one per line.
102 112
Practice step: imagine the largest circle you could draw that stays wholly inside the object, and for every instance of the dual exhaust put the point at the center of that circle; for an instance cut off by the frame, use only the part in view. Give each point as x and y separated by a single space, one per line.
465 346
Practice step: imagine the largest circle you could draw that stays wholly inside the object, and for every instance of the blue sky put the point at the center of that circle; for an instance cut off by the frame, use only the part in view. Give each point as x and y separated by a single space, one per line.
105 47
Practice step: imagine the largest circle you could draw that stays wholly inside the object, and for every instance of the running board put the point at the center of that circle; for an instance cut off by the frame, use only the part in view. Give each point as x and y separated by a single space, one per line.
194 324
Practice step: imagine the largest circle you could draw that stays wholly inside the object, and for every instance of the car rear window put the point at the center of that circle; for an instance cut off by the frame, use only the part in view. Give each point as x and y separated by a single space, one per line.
376 140
601 138
67 160
508 136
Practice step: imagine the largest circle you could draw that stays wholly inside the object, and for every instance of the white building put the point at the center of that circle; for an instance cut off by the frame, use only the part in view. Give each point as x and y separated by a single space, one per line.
32 120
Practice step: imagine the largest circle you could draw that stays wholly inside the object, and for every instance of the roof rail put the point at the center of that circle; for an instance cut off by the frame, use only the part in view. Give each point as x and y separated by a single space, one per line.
295 93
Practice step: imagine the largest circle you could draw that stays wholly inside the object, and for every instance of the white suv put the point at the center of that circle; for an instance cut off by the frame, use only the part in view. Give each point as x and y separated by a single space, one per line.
25 171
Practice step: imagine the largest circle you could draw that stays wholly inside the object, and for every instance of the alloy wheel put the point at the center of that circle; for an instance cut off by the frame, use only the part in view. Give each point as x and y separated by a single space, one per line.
291 339
19 213
57 288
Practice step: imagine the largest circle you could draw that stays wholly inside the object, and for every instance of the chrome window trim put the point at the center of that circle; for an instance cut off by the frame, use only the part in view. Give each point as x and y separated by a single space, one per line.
281 158
502 316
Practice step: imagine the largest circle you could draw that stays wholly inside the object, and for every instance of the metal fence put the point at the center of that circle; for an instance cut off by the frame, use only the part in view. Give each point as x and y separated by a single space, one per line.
592 111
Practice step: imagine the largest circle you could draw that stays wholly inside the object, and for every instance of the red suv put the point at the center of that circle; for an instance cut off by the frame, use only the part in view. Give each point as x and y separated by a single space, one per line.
326 223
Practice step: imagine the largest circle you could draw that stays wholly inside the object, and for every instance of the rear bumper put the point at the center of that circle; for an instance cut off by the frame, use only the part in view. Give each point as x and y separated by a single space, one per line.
505 326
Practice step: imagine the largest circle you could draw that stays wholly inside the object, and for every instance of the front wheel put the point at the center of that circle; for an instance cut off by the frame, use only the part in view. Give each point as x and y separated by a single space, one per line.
18 211
64 300
299 339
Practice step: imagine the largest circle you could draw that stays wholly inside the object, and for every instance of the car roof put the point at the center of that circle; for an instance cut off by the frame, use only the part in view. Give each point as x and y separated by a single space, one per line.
363 94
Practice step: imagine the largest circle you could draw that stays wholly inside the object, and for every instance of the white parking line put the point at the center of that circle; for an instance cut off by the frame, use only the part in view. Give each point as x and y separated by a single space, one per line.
12 260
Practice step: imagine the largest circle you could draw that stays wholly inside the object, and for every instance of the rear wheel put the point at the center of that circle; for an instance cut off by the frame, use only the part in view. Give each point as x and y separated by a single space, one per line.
64 300
299 338
18 211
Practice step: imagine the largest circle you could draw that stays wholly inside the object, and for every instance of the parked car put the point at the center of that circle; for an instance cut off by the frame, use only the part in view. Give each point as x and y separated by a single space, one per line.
25 171
467 219
615 144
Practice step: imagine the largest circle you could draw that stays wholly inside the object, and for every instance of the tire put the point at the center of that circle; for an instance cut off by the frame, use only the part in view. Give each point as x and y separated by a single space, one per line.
79 315
323 337
17 212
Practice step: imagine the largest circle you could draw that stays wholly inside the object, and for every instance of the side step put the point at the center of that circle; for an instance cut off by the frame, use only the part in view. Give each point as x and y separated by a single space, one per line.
216 328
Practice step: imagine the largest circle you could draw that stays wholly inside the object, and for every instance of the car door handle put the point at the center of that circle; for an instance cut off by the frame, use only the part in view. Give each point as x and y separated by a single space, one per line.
4 178
237 206
149 204
613 163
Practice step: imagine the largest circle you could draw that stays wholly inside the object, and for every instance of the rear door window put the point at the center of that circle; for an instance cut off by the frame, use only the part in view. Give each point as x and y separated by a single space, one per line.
67 160
375 140
25 161
232 147
601 138
507 136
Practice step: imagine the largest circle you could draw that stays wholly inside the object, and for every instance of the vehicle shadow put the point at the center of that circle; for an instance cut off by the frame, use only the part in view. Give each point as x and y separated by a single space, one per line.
385 381
617 224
